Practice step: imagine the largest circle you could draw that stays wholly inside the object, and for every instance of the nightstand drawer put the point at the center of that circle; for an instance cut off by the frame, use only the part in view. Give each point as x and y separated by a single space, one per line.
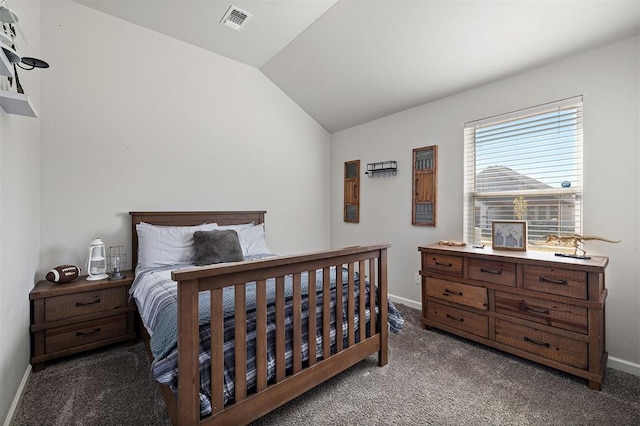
493 271
555 314
563 282
463 294
73 305
74 335
444 263
463 320
558 348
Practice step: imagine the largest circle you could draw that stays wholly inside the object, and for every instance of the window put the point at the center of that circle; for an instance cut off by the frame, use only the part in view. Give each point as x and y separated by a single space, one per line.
525 165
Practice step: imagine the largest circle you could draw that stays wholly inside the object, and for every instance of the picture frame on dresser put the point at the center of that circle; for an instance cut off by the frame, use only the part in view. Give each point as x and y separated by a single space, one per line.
509 235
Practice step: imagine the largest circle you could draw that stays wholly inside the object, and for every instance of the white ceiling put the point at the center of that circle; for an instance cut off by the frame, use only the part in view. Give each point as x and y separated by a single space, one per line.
351 61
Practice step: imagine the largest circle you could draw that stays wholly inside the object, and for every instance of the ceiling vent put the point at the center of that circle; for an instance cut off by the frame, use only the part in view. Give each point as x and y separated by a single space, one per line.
235 18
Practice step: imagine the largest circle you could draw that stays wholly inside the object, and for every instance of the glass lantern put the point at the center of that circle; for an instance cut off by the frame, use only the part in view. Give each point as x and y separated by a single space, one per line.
97 261
116 260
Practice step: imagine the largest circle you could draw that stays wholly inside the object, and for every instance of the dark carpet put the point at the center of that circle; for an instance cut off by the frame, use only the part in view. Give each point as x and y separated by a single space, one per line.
432 378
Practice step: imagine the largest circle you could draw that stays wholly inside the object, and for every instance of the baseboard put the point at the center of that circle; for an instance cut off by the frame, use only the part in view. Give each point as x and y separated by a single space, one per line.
18 397
622 365
407 302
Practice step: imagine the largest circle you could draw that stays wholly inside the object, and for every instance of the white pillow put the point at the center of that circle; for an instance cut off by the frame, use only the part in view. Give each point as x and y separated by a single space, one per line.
167 245
239 230
253 241
236 228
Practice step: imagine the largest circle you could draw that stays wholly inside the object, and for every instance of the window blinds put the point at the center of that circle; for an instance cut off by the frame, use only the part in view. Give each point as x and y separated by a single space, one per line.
525 165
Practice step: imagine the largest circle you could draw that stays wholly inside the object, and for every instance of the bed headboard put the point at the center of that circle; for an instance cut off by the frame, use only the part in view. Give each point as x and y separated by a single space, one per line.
188 219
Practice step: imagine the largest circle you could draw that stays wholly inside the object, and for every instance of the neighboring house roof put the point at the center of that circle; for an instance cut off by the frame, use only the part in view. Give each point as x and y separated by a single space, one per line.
500 178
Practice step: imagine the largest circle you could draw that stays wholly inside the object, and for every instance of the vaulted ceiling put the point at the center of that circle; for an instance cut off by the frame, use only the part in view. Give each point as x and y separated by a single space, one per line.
347 62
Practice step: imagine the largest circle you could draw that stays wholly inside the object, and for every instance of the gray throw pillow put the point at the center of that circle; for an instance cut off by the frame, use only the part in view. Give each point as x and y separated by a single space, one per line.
216 247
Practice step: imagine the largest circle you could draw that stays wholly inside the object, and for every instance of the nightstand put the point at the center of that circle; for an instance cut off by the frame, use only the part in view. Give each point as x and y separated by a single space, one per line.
79 316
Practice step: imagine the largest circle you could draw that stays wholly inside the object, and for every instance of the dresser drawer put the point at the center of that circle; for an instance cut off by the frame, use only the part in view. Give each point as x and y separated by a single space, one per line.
444 263
564 282
548 345
467 321
555 314
462 294
73 305
74 335
493 271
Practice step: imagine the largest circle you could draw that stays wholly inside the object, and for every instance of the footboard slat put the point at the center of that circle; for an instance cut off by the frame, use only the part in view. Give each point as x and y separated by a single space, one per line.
311 341
280 330
362 331
372 297
351 320
339 310
326 314
261 335
240 359
297 323
217 350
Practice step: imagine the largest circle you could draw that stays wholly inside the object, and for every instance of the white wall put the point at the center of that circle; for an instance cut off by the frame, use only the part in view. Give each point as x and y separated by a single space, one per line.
19 216
608 77
136 121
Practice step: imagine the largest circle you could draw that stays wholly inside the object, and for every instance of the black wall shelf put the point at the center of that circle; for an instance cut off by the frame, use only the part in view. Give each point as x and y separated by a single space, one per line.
382 168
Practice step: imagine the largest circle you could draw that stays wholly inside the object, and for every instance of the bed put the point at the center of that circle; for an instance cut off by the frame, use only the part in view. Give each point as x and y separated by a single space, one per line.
217 373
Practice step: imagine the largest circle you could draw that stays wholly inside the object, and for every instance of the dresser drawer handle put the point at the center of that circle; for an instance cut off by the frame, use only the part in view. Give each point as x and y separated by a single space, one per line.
548 280
455 318
448 265
537 311
448 292
489 271
93 302
85 332
535 342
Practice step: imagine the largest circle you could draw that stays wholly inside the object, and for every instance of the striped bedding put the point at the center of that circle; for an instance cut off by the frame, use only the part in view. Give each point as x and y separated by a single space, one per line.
156 297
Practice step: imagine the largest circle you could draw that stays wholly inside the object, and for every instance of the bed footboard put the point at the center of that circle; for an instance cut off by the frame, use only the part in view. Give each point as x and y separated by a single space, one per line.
360 341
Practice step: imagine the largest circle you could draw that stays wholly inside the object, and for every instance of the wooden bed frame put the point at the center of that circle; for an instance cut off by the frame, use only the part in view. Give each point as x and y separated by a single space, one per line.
370 261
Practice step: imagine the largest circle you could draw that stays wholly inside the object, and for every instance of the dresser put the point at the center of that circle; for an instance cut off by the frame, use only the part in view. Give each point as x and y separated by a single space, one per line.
79 316
535 305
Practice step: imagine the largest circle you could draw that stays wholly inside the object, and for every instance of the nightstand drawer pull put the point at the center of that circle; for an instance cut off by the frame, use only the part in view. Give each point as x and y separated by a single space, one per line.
448 292
535 342
85 332
448 265
534 310
455 318
560 282
93 302
489 271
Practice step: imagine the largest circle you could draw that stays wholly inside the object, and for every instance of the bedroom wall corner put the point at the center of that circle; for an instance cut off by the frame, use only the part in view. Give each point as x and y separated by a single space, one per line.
19 218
